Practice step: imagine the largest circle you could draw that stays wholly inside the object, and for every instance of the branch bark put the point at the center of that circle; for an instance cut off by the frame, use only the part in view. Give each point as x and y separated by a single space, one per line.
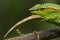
41 35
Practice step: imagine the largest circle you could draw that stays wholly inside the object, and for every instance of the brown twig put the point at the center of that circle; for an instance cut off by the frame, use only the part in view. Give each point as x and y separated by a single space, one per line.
41 35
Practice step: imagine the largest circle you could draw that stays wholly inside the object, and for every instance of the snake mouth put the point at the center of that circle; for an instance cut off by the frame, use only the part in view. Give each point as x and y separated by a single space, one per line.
36 12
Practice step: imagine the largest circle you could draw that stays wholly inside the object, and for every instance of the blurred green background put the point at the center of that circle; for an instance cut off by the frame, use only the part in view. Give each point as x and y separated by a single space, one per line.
11 11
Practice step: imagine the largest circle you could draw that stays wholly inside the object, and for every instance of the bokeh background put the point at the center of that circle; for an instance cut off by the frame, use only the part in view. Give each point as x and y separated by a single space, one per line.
12 11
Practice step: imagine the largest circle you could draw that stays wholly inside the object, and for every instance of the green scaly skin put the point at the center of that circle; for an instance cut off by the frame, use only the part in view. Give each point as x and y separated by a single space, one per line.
50 12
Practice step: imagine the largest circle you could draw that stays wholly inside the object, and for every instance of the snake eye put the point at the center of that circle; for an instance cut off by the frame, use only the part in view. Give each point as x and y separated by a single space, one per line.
42 8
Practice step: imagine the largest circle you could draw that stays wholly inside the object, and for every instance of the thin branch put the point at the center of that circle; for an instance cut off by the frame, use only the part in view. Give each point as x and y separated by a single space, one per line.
22 21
